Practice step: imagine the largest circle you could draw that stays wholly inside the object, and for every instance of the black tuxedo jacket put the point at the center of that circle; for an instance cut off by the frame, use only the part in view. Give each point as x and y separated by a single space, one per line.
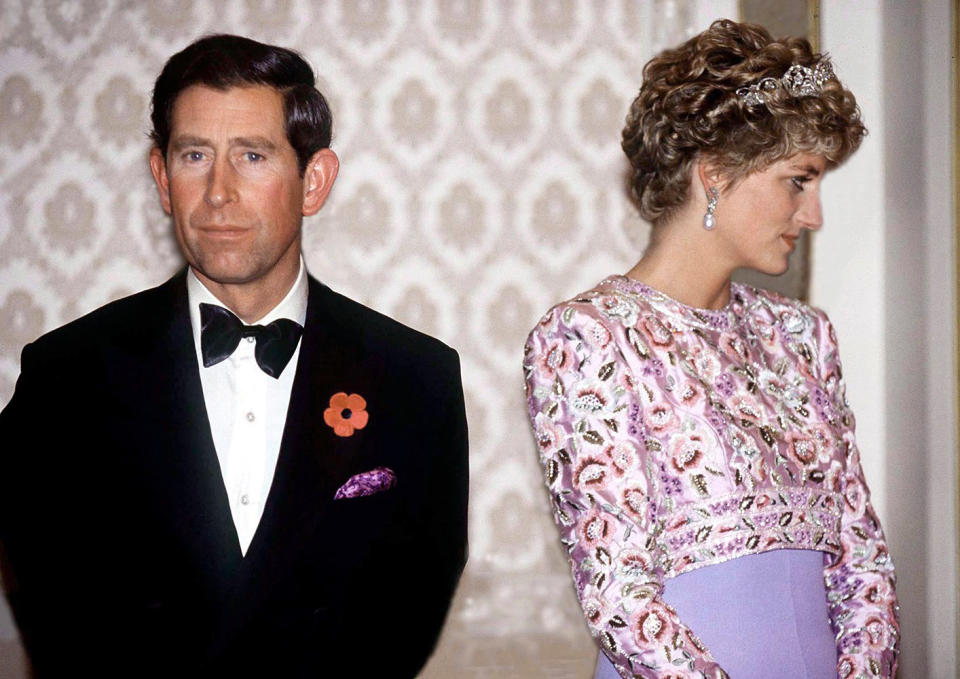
119 548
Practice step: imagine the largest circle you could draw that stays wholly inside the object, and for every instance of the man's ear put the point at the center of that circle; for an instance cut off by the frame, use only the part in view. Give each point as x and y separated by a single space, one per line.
158 168
318 179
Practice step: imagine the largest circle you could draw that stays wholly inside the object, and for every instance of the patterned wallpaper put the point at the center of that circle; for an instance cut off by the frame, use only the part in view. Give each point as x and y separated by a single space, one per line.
481 181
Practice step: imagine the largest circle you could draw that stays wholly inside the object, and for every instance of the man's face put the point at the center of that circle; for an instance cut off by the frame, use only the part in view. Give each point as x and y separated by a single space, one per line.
231 181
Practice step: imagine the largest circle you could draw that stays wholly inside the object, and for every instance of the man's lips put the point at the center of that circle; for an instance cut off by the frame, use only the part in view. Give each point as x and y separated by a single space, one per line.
791 240
222 230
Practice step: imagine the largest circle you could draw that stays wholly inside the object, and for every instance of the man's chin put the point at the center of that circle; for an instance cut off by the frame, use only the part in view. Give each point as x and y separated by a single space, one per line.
226 274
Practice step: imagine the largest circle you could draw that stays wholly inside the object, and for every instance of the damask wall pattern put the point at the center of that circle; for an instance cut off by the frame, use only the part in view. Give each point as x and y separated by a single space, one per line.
481 181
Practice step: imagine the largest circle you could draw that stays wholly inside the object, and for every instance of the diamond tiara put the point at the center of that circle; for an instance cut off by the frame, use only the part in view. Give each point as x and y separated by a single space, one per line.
798 81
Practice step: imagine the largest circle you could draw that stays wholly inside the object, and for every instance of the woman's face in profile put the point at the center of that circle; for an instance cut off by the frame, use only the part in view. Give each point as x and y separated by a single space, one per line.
761 217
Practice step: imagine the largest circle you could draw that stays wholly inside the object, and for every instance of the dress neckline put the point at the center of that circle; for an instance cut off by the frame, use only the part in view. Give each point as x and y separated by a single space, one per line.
712 319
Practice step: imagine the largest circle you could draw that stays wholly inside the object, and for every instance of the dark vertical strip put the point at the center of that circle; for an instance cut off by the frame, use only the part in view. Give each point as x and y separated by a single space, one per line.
903 134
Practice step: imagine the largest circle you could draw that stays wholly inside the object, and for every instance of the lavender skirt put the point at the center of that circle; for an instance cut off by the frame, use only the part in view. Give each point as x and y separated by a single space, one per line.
761 615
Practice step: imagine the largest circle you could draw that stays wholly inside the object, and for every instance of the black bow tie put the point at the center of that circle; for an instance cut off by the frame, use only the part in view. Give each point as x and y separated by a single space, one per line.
221 332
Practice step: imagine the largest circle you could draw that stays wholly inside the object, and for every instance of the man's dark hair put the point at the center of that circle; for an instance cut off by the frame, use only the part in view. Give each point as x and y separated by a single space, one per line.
225 61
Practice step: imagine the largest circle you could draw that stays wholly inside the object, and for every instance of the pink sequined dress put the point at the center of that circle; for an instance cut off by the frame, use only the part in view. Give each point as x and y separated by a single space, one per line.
674 438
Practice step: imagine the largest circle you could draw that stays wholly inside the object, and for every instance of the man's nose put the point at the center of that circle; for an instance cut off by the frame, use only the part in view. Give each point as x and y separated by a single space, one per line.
221 184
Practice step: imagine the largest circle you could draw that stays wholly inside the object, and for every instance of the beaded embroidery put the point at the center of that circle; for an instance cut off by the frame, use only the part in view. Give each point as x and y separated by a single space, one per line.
674 438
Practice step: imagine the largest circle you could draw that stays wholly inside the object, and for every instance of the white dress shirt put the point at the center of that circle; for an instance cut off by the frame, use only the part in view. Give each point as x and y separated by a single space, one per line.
246 407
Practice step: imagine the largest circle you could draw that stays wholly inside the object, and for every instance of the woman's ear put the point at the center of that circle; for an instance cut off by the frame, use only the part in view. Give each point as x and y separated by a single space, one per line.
708 176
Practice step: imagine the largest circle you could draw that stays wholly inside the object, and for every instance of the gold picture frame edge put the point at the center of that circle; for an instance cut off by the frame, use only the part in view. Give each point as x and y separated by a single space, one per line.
813 24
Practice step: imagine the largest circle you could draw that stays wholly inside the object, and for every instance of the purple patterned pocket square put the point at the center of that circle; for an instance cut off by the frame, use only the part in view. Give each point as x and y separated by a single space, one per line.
367 483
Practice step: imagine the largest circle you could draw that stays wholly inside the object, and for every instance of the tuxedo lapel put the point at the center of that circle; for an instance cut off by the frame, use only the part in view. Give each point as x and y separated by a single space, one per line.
311 460
181 465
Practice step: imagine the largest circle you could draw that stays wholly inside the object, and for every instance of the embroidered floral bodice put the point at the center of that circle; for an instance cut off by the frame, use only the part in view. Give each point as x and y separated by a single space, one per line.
673 438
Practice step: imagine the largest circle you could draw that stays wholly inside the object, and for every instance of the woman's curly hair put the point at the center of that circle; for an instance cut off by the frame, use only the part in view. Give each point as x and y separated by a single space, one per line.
688 108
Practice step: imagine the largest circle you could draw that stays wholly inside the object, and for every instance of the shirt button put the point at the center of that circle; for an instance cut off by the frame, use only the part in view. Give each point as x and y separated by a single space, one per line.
250 340
251 417
244 499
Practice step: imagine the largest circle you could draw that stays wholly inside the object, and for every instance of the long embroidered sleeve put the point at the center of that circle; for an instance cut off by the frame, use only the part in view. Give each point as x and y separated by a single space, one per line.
860 580
673 438
593 442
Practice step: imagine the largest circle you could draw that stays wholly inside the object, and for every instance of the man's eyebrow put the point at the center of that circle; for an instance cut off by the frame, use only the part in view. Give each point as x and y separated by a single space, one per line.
186 140
254 143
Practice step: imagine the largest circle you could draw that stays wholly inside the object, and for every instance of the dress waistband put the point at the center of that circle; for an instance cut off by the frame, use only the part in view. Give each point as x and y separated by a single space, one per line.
724 528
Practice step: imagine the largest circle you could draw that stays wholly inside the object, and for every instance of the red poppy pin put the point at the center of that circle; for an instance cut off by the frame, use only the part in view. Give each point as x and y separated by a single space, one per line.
346 414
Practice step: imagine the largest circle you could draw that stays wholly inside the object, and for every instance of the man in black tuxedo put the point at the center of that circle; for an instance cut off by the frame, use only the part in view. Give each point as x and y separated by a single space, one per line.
239 472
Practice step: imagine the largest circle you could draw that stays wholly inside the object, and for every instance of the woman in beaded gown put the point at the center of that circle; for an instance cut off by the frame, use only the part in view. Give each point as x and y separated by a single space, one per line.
693 432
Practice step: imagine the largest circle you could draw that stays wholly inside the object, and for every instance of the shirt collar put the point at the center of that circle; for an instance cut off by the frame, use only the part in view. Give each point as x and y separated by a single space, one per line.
292 306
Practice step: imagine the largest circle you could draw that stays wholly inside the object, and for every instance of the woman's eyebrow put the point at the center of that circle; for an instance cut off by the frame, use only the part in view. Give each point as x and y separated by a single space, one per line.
807 169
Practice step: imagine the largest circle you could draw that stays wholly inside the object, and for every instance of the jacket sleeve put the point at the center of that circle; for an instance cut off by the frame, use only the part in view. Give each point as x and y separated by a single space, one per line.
34 537
430 559
860 581
586 413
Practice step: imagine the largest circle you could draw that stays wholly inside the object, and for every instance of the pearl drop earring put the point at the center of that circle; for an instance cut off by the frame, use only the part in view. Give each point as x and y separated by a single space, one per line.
709 219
